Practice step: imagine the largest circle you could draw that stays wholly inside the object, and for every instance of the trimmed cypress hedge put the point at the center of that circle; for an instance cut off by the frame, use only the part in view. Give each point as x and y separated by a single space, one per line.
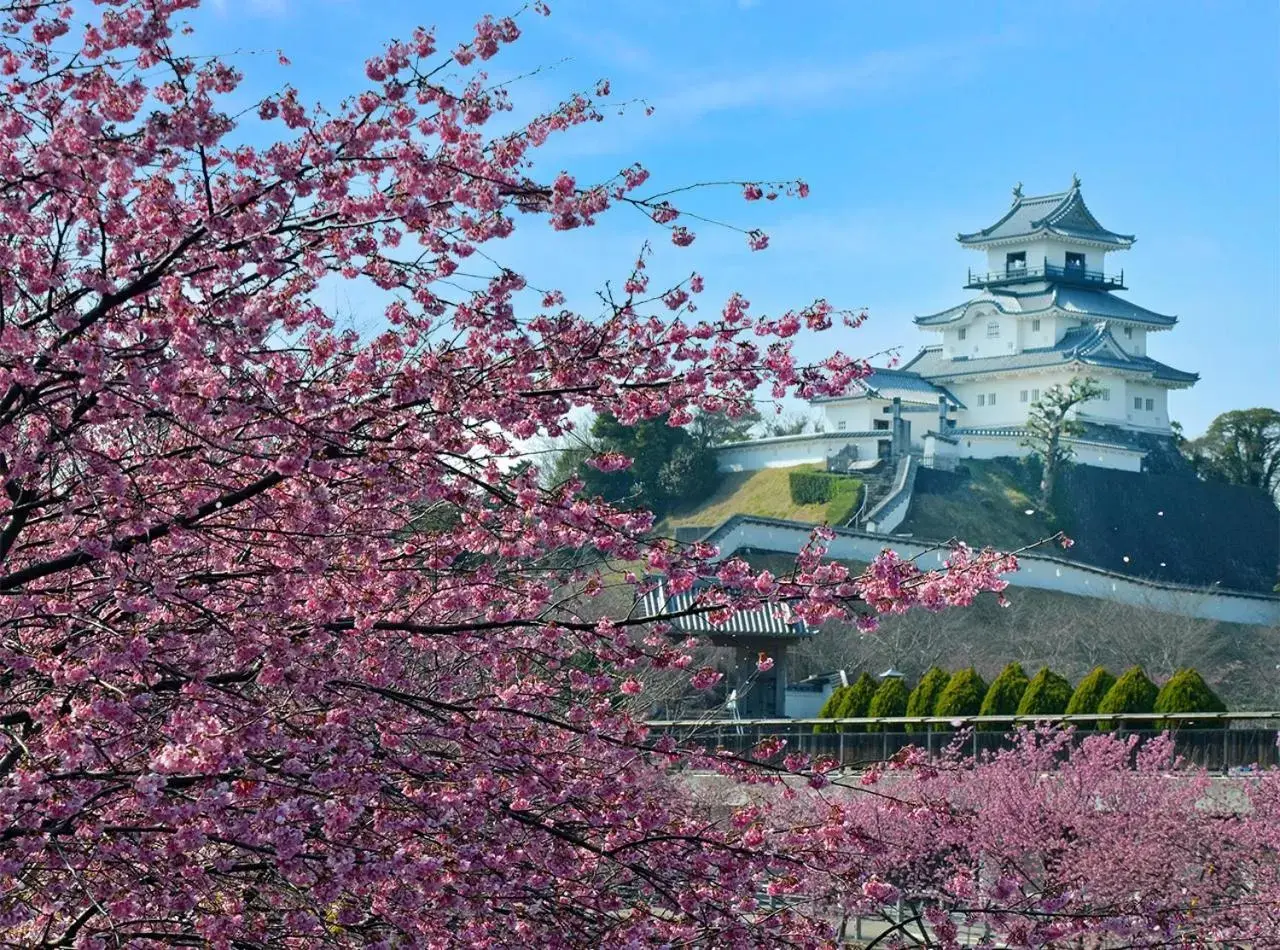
963 695
1133 692
858 700
1089 693
1187 692
828 710
924 698
890 700
1004 694
811 488
1047 695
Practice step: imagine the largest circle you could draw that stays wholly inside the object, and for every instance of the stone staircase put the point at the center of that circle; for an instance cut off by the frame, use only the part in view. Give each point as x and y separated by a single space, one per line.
877 483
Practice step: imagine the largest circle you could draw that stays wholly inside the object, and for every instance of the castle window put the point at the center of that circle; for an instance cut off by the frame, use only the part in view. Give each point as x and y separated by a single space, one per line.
962 333
982 399
1151 405
993 329
879 424
1075 261
1137 402
1015 262
1022 396
991 399
842 424
1128 332
1035 395
1106 394
1035 325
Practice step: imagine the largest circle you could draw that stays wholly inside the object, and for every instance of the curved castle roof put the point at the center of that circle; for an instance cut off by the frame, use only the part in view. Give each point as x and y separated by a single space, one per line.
1074 301
1090 345
1062 215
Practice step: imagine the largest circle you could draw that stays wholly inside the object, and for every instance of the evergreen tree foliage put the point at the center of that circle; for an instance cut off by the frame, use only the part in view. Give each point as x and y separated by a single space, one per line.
1005 693
829 708
1048 694
1089 693
857 701
890 700
963 696
924 698
1187 692
1133 692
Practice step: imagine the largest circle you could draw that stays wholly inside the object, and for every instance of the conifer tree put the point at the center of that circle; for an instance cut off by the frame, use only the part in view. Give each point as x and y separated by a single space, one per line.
963 695
1187 692
1133 692
890 699
924 698
1005 693
1046 695
1088 694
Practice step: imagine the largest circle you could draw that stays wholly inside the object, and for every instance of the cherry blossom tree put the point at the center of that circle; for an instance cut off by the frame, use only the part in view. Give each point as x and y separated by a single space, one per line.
290 647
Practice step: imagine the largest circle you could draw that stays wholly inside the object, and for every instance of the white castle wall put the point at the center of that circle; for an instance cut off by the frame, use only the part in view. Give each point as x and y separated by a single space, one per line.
1039 571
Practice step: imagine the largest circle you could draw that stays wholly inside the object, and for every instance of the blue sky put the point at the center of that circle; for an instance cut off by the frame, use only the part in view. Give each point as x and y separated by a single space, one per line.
911 122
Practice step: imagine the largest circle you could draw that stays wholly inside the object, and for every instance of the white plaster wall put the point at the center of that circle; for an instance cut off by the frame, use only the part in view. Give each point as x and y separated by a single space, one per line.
856 414
1111 409
1054 251
1133 340
1035 571
994 446
754 456
977 344
1158 416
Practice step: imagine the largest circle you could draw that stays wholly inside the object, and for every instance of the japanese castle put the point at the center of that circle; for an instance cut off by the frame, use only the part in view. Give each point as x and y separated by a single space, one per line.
1045 309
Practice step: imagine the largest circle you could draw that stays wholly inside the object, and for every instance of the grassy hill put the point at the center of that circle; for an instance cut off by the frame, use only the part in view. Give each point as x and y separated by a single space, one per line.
987 504
765 493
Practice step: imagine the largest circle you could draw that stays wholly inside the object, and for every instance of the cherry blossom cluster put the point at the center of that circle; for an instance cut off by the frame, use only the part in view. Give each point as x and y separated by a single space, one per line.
293 641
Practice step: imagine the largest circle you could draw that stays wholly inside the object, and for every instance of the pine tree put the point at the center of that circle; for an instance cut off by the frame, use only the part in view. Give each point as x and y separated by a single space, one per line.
963 695
1048 694
1187 692
890 700
924 698
1004 694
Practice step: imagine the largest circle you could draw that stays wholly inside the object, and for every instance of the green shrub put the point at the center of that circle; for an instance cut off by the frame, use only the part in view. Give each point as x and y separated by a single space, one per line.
858 700
1047 695
963 695
890 700
846 496
924 698
811 488
1131 693
828 710
1088 694
1187 692
1004 694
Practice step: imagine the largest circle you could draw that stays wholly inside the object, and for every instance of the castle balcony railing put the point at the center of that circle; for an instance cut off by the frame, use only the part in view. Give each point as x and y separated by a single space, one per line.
1076 276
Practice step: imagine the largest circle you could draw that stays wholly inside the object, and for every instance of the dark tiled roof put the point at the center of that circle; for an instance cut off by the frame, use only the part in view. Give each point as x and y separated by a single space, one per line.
1076 301
1091 345
1063 214
764 621
897 384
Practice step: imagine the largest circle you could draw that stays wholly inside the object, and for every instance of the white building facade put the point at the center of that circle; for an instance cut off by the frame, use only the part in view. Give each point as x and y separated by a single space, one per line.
1045 311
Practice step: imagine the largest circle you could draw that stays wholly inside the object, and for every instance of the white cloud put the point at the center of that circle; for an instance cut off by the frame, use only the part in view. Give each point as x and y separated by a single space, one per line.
789 85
